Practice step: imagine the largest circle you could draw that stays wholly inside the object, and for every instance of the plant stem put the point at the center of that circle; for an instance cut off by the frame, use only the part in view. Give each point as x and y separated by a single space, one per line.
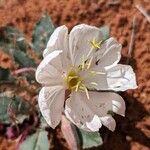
23 70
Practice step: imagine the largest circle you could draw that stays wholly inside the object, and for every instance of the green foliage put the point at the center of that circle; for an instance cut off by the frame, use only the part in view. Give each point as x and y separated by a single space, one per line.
13 42
30 77
11 38
13 106
42 31
89 139
4 74
43 123
105 31
37 141
23 60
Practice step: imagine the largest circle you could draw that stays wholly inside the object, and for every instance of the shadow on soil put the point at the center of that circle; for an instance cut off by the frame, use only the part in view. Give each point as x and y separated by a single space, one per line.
126 130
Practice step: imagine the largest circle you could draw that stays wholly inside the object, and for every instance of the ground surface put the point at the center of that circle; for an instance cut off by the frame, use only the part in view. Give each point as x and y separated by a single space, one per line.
133 131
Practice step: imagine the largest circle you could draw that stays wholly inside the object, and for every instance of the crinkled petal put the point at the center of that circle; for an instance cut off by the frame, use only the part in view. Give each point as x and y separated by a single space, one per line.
80 41
50 70
58 40
95 124
109 54
51 102
118 104
106 57
85 112
79 124
121 78
109 122
117 78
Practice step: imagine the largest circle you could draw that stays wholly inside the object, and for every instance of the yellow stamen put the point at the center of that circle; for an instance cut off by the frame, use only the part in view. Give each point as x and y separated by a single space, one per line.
83 62
77 86
94 83
90 52
89 63
97 72
95 44
86 91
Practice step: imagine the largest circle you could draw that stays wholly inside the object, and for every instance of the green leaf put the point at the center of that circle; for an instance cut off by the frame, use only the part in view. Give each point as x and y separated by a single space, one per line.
42 31
11 38
105 31
37 141
13 42
30 77
18 106
23 59
4 74
43 123
89 139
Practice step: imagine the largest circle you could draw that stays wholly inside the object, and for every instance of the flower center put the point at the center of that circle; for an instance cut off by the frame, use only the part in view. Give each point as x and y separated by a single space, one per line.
73 80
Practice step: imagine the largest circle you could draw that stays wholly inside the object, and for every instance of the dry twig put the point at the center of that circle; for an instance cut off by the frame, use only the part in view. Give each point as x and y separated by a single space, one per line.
113 2
143 11
132 39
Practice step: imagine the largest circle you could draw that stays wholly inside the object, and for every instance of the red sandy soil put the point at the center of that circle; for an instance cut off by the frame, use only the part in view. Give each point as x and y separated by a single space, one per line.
133 131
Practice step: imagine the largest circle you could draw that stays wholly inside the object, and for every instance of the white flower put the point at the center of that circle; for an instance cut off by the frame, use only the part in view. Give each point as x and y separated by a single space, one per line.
81 62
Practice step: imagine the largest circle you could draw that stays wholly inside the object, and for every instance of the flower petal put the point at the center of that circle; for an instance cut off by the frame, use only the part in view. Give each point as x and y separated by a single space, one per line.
81 110
109 122
51 101
50 69
121 78
118 104
57 41
117 78
96 80
69 115
80 41
109 54
106 57
95 124
85 112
